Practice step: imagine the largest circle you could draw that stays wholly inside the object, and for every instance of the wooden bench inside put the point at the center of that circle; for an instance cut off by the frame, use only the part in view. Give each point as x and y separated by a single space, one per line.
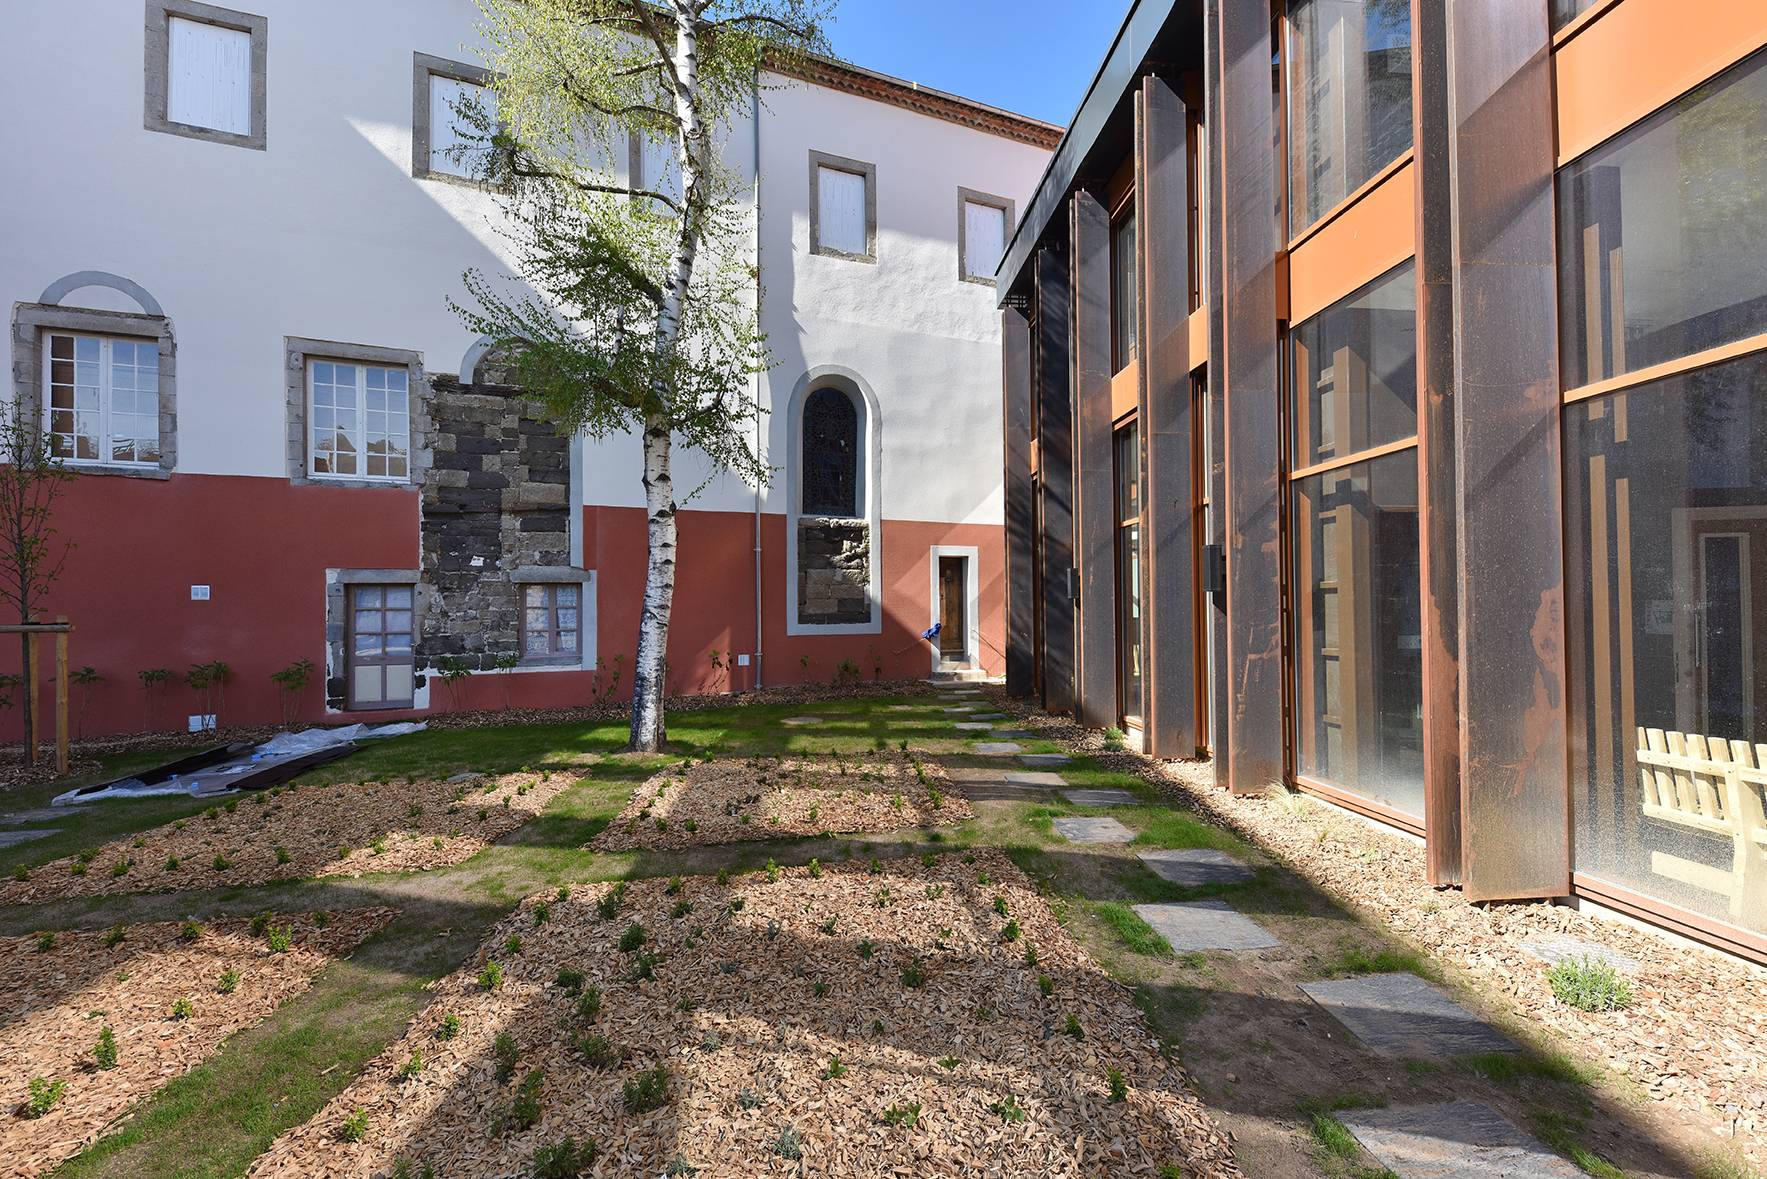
1719 788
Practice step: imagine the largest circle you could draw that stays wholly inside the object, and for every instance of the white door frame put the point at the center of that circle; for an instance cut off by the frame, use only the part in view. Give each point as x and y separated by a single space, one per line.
972 593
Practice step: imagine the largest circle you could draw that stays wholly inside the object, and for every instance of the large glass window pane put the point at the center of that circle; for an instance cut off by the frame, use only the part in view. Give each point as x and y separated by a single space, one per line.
1128 571
1358 631
1666 525
1349 98
1663 233
1355 372
1565 11
1125 299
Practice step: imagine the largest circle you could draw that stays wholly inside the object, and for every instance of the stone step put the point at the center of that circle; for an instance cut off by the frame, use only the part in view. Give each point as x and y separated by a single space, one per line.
1403 1015
1206 925
1076 830
799 722
1456 1140
1044 759
1196 867
1109 796
1035 778
997 748
973 726
26 835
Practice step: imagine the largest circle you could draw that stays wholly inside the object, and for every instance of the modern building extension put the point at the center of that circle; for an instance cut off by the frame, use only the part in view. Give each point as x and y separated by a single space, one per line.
227 248
1386 414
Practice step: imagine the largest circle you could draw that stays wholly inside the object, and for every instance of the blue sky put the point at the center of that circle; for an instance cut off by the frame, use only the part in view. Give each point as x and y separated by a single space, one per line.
1035 57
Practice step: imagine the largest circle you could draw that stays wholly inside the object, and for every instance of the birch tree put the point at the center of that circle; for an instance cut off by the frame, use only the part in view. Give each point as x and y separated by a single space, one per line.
635 310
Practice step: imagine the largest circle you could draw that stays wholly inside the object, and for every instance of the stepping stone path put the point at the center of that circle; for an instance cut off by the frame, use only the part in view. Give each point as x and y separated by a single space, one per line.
1205 925
991 716
1015 735
1093 831
14 838
1458 1140
1107 797
1044 759
797 722
1558 947
997 748
1196 867
962 708
1035 778
42 814
973 726
986 785
1402 1015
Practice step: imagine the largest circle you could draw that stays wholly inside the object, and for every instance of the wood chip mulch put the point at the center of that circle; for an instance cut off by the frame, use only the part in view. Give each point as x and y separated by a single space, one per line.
54 1002
735 800
321 830
757 986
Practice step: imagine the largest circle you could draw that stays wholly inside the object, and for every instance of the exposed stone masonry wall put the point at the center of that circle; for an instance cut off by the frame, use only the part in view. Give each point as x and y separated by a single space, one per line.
834 571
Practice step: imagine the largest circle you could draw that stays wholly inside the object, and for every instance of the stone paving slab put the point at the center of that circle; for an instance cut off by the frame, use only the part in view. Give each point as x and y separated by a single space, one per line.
41 814
1035 778
1457 1140
992 716
1558 947
1403 1015
1109 796
1093 831
1206 925
25 835
997 748
801 721
984 784
1045 759
973 726
1014 734
1196 867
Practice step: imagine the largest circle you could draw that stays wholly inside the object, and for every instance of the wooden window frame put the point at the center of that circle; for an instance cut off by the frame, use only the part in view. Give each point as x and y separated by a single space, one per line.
555 657
352 660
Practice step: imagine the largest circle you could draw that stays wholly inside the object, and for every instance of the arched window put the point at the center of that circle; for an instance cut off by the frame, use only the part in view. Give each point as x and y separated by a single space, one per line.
831 454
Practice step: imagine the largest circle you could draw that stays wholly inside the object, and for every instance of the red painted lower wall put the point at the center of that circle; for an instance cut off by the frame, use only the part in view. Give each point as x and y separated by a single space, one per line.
263 547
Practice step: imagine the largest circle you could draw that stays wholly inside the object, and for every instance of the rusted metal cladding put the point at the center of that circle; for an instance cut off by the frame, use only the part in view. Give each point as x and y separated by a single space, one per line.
1168 498
1055 475
1021 514
1214 397
1095 673
1515 803
1248 166
1437 528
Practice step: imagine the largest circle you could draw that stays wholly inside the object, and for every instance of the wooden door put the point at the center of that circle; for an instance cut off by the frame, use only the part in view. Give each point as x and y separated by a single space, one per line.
953 609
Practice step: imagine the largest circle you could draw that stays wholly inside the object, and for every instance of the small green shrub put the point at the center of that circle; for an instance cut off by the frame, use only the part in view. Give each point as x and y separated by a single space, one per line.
280 939
1119 1087
835 1069
673 887
1011 932
1589 985
45 1095
507 1053
632 938
260 922
221 863
647 1091
589 1004
569 981
448 1028
542 913
771 871
190 931
354 1128
45 941
903 1115
914 975
228 982
1009 1109
598 1051
788 1145
1045 984
524 1111
815 864
412 1067
183 1009
282 856
491 975
104 1053
610 901
564 1160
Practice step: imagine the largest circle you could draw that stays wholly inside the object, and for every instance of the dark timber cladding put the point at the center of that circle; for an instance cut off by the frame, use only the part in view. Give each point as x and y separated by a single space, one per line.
1214 393
1162 201
1437 533
1021 514
1254 754
1055 472
1095 678
1516 808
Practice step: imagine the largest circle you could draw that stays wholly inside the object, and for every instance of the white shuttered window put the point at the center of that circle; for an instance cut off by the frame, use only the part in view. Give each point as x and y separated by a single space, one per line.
209 80
984 238
456 146
841 211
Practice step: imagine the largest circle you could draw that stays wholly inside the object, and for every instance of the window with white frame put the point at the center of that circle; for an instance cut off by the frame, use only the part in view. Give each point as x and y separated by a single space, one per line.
457 146
209 76
983 225
552 624
101 395
359 421
843 208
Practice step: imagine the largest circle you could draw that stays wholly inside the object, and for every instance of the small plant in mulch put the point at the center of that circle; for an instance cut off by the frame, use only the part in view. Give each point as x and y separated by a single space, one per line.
569 981
866 948
1009 1109
647 1091
589 1004
748 1099
903 1115
771 871
412 1067
121 867
681 909
45 1095
21 873
1118 1086
1030 954
1011 932
737 903
564 1160
597 1050
507 1053
829 926
183 1009
279 939
949 1062
914 975
819 989
644 966
789 1145
680 1166
1072 1027
882 898
354 1127
673 887
172 864
190 931
835 1069
815 864
221 863
1045 984
491 975
260 922
402 1170
772 929
448 1028
228 982
512 945
45 941
610 902
104 1053
632 938
524 1110
1589 985
542 913
875 866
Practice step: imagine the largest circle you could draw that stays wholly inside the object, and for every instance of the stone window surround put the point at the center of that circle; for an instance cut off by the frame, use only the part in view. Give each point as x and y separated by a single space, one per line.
158 65
965 198
30 321
820 160
337 629
527 575
423 67
298 351
870 494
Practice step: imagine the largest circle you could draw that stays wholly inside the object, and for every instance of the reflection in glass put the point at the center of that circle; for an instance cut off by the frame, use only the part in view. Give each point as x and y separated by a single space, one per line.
1666 525
1663 233
1129 672
1358 632
1125 301
1349 98
1565 11
1355 371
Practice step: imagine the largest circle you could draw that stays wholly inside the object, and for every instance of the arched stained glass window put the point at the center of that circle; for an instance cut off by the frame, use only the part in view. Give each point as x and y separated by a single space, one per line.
831 454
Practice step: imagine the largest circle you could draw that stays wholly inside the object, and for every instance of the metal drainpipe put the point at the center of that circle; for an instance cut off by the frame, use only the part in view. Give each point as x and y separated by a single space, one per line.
755 110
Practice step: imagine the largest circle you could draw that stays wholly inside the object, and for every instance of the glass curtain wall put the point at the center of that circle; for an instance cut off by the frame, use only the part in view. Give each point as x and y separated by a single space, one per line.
1349 81
1663 254
1129 671
1358 648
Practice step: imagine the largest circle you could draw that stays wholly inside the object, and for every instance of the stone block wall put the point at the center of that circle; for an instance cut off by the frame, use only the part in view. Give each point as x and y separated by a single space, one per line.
834 571
495 499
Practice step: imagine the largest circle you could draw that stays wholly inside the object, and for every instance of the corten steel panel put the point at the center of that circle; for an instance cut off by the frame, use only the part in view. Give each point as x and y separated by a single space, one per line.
1214 393
1437 529
1055 475
1095 522
1168 505
1515 805
1015 348
1354 248
1249 370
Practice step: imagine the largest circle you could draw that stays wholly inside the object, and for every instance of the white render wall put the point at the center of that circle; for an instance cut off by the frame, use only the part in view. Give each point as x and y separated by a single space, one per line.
326 235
